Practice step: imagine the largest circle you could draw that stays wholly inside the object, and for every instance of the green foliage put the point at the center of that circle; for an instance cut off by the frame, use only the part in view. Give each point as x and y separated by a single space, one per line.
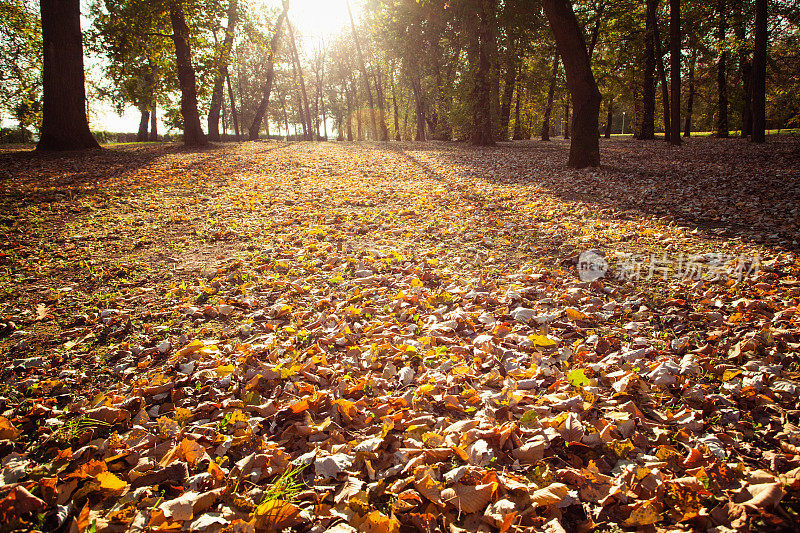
21 62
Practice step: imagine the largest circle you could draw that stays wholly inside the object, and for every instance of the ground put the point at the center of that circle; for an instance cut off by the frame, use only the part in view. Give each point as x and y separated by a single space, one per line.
328 336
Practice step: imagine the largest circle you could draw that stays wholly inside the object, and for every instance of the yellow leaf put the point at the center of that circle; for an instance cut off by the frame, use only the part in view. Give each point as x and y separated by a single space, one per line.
183 415
543 341
110 482
377 522
730 374
425 389
416 283
646 514
225 370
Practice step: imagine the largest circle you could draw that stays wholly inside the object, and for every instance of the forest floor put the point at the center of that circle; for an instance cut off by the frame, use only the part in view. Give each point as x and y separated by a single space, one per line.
341 337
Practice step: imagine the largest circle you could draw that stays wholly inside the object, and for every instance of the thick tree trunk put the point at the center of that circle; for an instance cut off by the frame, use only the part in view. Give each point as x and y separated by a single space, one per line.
153 136
550 94
482 91
64 122
141 136
662 76
722 65
745 70
584 149
192 131
759 76
217 94
675 68
234 114
647 126
275 43
508 89
305 108
365 75
687 126
609 118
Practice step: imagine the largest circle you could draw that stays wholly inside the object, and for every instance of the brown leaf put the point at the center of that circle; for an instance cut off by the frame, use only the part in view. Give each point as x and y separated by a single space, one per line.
571 429
468 498
7 430
765 495
549 495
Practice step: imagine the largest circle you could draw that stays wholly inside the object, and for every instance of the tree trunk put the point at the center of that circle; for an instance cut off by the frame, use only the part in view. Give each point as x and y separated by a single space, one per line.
153 137
365 74
550 94
598 23
349 97
273 50
662 76
192 131
609 118
508 90
687 127
64 122
745 69
234 114
584 148
722 64
419 107
222 72
304 108
565 129
675 68
647 126
381 110
519 131
394 105
141 136
482 91
759 76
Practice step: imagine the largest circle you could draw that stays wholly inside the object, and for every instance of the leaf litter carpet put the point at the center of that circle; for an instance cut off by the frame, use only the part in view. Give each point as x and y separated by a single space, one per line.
354 337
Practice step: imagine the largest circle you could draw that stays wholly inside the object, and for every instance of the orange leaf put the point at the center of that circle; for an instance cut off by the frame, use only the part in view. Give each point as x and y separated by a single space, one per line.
277 515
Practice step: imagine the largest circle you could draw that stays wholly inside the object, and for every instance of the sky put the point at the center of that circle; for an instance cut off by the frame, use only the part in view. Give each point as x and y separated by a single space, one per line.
314 20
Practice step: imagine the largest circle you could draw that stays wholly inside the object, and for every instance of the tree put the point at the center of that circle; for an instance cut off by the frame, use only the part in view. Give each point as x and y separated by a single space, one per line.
722 65
647 126
584 150
675 69
64 122
481 59
365 76
759 76
222 72
255 126
192 131
545 134
21 63
304 109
